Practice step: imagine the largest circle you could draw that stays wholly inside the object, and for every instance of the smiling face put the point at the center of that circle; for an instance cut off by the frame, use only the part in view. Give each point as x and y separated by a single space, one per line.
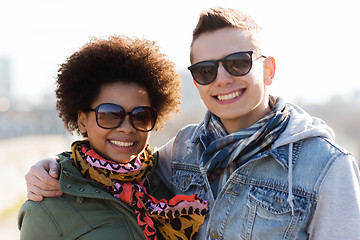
123 143
238 101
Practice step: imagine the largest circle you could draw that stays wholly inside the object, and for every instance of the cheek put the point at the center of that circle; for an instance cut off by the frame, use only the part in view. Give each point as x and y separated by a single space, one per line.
96 134
257 74
143 139
256 80
204 92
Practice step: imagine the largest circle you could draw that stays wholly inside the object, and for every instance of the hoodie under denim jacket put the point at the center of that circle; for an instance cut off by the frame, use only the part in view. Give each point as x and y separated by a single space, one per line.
303 187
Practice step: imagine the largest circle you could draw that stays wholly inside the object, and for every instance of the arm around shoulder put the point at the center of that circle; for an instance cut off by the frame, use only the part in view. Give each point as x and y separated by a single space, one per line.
337 214
41 180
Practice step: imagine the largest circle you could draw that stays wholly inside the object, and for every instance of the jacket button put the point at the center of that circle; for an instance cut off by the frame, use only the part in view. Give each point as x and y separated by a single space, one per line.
79 199
82 189
97 191
214 235
68 186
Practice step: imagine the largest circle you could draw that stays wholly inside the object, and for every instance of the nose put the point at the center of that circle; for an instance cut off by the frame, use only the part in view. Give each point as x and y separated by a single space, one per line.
223 77
126 125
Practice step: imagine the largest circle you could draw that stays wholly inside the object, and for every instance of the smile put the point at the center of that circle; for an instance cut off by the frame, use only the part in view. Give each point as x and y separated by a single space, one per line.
122 144
229 96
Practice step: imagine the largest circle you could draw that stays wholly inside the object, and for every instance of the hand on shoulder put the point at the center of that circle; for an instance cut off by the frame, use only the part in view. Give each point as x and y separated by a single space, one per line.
42 180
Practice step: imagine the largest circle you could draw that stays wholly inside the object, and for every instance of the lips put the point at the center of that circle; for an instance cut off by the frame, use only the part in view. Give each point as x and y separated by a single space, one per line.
229 96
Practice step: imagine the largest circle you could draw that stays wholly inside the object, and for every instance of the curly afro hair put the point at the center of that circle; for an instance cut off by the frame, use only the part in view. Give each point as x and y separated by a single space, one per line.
116 58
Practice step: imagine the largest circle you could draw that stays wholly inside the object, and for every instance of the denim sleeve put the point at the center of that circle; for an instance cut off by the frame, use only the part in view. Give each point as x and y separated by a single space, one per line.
337 215
164 161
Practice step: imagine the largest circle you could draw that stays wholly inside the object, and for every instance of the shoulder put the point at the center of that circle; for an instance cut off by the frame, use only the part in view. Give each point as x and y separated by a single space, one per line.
49 211
73 217
182 136
64 156
344 166
312 158
181 140
187 133
188 129
317 154
320 146
35 221
318 158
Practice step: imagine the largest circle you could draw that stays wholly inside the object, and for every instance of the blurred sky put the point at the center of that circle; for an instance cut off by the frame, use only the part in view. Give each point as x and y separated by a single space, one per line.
315 42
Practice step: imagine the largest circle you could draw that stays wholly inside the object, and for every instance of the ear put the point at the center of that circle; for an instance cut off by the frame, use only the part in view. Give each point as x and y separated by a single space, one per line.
269 70
82 117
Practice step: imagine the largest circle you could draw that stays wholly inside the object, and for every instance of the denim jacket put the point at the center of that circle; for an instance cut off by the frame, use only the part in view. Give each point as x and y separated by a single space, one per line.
294 190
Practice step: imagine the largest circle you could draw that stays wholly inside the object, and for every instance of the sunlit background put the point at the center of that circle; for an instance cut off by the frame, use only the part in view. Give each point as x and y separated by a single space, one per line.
315 44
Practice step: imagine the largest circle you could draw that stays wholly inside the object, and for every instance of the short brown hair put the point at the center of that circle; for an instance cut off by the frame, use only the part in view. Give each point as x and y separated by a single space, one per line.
218 18
116 58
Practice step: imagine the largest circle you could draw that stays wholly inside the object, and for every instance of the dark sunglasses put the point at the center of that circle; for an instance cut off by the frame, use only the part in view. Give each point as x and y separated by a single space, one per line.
110 115
237 64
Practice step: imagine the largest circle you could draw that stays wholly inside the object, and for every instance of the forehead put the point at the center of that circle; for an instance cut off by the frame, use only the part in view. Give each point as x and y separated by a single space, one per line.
128 95
220 43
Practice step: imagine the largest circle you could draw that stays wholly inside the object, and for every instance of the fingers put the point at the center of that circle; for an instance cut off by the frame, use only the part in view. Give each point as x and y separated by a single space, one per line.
47 171
40 177
54 169
34 197
38 192
41 180
37 189
32 180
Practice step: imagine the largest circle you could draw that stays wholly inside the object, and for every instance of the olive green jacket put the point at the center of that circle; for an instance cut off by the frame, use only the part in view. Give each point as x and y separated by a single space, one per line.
85 210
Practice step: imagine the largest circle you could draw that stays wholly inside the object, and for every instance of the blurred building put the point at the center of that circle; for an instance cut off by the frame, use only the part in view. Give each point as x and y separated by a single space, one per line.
5 78
22 119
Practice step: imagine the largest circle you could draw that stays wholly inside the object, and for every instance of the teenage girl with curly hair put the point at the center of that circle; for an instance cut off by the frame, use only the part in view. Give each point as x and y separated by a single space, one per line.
114 91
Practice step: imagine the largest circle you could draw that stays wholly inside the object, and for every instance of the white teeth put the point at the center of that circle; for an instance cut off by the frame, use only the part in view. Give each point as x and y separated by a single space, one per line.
122 144
228 96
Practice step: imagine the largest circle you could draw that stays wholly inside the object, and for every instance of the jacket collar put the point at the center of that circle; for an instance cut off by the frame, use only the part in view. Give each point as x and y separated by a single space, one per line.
73 183
281 154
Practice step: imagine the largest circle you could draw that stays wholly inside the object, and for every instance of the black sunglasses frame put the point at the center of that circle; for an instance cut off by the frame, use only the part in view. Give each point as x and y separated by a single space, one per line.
96 110
216 65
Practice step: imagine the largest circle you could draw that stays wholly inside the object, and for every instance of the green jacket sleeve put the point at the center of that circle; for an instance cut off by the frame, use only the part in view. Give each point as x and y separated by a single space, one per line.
85 212
71 217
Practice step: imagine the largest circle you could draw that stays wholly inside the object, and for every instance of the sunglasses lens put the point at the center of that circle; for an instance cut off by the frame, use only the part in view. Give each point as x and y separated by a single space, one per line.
110 115
238 64
204 72
143 118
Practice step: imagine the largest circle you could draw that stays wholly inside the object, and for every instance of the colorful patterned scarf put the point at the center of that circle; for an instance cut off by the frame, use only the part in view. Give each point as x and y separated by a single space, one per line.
225 152
178 218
